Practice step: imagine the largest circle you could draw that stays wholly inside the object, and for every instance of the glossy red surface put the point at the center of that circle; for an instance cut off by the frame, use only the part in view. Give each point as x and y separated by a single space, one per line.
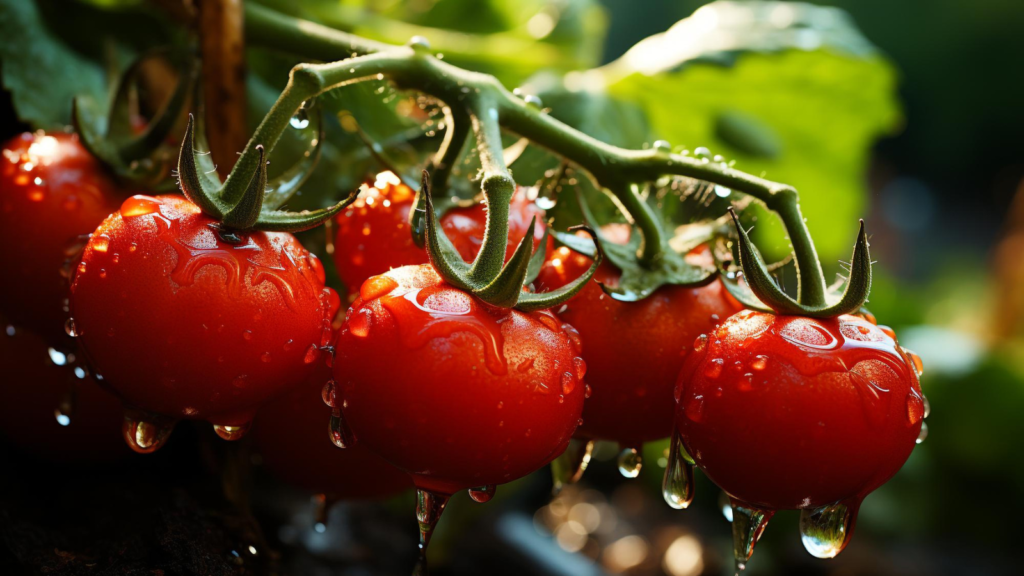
788 412
51 191
633 350
181 323
454 392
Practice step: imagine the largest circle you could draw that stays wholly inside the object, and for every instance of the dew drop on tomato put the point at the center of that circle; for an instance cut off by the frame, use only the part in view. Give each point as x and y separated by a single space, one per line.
915 407
70 329
700 343
232 431
146 433
581 367
760 362
312 353
360 323
329 393
923 434
376 287
568 384
713 369
139 206
482 494
825 531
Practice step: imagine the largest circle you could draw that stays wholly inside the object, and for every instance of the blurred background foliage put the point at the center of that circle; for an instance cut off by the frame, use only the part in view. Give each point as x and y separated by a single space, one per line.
904 113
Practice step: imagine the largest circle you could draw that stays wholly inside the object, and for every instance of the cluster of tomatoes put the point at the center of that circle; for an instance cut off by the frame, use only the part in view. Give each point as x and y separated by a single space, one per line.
422 383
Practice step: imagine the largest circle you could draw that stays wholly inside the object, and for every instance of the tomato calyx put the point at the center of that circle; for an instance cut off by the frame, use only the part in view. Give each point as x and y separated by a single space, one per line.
241 207
762 293
488 277
641 277
135 155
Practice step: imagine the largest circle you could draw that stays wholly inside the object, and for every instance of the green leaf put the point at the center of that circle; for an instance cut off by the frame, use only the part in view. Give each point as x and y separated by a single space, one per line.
42 72
800 103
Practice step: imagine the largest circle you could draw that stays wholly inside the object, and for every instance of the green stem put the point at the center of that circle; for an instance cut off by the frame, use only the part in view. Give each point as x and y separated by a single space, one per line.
491 107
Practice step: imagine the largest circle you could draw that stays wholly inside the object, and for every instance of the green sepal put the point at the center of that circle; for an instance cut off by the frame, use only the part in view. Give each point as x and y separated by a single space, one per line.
504 291
761 284
637 281
196 184
284 221
445 259
530 301
537 260
244 214
417 216
730 278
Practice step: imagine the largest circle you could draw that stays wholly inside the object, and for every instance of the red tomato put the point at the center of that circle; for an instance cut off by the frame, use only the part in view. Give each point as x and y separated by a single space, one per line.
633 350
48 411
456 393
51 191
292 436
373 233
183 324
785 412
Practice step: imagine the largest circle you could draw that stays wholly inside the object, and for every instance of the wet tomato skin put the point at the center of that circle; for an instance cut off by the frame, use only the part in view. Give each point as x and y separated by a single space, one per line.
787 412
373 233
51 191
32 389
633 350
455 393
291 435
181 323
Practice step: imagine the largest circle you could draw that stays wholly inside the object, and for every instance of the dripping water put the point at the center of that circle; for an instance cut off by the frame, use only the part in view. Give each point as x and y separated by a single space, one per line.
570 465
630 463
677 485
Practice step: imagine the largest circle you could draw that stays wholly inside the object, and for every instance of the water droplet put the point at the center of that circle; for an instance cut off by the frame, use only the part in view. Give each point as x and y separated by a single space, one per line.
329 394
231 431
700 343
482 494
915 407
312 353
418 43
570 465
759 363
713 369
360 323
568 383
376 287
265 357
923 434
677 485
533 101
101 243
301 120
339 432
574 338
694 408
927 406
748 523
429 506
581 367
247 335
321 505
70 329
825 531
722 191
57 357
916 361
702 152
587 391
630 463
146 433
139 206
662 146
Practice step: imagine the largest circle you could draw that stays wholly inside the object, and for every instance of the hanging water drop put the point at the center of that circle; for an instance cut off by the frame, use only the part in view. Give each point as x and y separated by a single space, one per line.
232 431
482 494
533 102
301 119
927 406
570 465
630 463
329 394
339 432
825 531
677 485
321 506
923 434
145 433
702 152
662 146
429 506
748 524
66 408
418 43
70 329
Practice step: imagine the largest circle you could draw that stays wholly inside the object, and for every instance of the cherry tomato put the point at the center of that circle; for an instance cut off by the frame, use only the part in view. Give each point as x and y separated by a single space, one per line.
49 410
786 412
292 436
373 233
456 393
51 192
185 324
633 350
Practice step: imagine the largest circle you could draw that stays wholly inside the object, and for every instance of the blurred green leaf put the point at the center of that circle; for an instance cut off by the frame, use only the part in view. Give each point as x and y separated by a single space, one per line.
801 101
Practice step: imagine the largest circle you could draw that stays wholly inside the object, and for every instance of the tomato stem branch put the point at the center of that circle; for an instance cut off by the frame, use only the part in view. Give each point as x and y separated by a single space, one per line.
491 107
